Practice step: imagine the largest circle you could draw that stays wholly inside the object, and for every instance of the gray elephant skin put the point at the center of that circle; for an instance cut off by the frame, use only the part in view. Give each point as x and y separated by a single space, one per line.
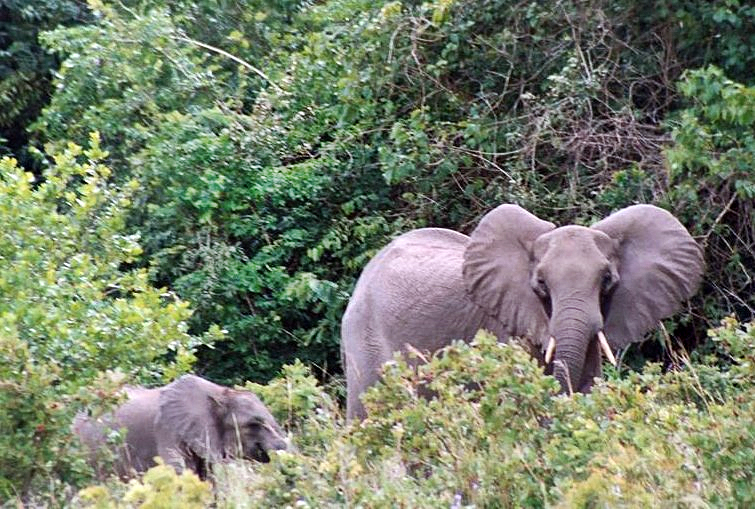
190 423
571 293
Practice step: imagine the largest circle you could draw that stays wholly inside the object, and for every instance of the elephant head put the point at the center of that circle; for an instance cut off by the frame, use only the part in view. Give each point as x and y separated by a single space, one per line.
203 422
577 291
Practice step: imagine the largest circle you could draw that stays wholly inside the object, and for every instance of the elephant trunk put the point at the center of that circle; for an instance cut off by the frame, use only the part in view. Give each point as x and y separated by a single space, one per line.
573 329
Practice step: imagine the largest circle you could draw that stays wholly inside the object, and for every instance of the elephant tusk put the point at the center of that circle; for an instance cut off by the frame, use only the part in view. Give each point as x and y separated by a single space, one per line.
549 351
606 348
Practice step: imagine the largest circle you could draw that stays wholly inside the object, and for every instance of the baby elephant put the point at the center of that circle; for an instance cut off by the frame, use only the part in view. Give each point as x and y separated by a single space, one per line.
189 423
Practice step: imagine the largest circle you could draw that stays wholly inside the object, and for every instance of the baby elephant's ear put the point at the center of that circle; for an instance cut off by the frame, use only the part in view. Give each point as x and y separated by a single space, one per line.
188 409
496 269
660 265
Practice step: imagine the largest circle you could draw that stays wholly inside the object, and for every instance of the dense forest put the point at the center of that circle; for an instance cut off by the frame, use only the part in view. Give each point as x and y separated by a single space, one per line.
195 186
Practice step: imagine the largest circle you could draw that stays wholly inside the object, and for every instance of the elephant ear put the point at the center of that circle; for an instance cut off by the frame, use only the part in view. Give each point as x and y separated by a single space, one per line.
660 265
496 269
189 409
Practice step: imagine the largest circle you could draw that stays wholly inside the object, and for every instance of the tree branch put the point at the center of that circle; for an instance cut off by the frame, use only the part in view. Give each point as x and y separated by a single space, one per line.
232 57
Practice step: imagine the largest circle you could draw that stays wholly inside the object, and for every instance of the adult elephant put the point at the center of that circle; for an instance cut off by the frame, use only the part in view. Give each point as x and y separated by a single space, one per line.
190 423
570 292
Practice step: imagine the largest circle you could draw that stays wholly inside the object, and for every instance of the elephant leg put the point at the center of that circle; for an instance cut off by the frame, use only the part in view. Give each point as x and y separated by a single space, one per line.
137 457
198 464
124 466
354 406
361 374
172 456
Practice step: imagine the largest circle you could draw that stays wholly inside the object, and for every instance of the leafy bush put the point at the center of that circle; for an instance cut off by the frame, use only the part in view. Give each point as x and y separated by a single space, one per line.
26 68
300 405
496 435
711 163
69 314
279 144
263 151
160 487
223 219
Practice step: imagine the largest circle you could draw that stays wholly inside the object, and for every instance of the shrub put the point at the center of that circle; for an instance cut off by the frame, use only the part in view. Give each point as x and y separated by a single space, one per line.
268 180
26 69
710 163
496 435
71 319
160 488
301 406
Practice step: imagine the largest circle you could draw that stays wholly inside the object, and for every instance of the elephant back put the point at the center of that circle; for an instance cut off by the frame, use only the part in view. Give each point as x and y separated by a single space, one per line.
411 292
405 250
413 257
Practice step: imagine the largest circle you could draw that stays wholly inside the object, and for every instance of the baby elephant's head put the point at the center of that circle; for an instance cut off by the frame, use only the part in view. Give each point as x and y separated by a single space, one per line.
248 428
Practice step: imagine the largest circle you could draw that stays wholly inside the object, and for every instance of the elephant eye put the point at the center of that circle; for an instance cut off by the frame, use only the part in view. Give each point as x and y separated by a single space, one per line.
542 287
256 424
607 282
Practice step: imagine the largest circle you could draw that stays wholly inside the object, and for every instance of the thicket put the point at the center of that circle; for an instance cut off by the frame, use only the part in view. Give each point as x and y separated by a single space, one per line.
497 435
26 68
279 144
253 156
73 326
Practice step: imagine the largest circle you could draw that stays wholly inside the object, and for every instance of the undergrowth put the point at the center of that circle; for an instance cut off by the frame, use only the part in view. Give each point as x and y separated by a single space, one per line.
496 434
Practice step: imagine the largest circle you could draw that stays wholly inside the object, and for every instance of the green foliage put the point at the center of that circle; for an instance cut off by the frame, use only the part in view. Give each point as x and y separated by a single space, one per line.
719 33
102 97
299 404
279 144
711 162
26 69
261 152
69 313
159 488
496 435
224 222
